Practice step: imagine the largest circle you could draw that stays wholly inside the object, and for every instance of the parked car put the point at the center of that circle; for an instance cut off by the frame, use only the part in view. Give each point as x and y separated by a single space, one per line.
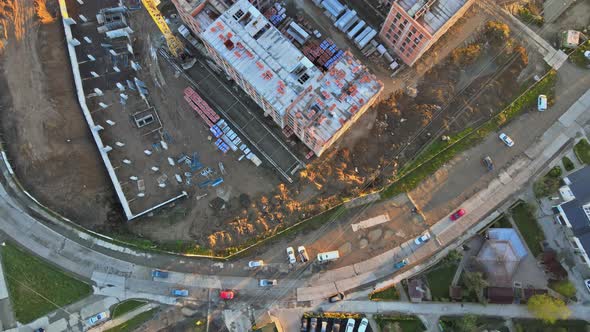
98 318
324 326
313 324
587 282
267 282
350 325
180 292
159 274
336 297
363 325
253 264
507 140
336 325
401 264
542 103
227 294
422 238
488 163
458 214
291 254
303 324
303 254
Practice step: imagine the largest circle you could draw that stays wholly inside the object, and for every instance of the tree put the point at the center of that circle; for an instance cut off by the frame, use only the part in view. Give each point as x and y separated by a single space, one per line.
565 288
467 323
497 31
548 308
475 282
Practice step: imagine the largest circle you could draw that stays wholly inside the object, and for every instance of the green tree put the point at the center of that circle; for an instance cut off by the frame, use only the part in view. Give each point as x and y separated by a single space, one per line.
467 323
548 308
475 282
565 288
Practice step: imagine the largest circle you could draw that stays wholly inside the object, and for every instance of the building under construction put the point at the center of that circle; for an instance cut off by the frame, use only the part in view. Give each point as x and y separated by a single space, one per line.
413 26
316 103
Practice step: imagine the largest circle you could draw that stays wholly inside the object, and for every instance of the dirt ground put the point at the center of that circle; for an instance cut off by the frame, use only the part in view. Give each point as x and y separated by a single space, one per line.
46 137
54 135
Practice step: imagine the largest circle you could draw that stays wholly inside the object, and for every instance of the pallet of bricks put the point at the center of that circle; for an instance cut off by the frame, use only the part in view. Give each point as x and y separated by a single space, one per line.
200 107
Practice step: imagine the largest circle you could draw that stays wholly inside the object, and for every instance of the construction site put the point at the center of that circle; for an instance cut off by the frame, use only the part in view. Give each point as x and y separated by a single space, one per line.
212 139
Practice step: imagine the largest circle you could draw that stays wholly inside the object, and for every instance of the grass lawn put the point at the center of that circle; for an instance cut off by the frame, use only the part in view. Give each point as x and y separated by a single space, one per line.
439 280
533 325
405 323
529 228
134 322
502 222
582 151
388 294
126 306
37 288
483 323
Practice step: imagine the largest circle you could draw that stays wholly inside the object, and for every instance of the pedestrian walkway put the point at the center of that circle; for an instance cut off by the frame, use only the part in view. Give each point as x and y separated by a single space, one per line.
7 319
122 319
443 309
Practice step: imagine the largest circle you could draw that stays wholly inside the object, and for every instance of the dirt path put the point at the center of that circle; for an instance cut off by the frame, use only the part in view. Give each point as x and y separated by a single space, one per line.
41 120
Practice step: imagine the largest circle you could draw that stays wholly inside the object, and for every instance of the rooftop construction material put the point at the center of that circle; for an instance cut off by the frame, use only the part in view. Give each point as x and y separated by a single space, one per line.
318 106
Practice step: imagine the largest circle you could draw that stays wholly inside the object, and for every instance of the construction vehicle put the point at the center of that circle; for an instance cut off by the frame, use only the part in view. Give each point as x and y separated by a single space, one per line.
175 46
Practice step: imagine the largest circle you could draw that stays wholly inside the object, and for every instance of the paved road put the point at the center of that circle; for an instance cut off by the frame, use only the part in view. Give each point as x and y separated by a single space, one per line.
443 309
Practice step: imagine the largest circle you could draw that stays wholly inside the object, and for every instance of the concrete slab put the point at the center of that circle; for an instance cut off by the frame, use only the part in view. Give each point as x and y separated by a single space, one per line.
576 110
367 223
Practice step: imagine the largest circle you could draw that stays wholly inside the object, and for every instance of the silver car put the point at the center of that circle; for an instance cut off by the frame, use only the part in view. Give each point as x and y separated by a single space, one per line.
291 254
267 282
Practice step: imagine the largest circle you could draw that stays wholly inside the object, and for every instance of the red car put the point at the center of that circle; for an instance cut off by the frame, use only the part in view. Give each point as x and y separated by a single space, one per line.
460 213
226 294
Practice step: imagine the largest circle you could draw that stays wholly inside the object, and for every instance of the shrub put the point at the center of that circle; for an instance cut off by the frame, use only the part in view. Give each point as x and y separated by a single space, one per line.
567 164
497 31
466 55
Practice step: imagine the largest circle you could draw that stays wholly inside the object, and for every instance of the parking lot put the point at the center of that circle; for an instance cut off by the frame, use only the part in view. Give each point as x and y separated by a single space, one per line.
324 324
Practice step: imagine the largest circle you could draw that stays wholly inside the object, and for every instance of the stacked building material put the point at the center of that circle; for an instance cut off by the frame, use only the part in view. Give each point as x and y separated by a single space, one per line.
200 106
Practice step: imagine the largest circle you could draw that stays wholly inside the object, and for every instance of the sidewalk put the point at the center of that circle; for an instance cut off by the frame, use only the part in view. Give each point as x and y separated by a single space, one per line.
443 309
7 319
122 319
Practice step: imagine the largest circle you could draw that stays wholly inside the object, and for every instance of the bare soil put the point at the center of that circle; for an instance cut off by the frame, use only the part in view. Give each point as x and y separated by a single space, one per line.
46 136
56 159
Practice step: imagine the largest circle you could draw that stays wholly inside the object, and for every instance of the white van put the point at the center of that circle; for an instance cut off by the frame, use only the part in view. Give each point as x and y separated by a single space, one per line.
542 103
328 256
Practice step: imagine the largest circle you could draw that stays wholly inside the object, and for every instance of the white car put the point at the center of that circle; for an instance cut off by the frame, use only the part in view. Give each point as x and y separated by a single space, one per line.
363 325
253 264
291 254
98 318
587 283
350 325
422 239
302 254
507 140
542 103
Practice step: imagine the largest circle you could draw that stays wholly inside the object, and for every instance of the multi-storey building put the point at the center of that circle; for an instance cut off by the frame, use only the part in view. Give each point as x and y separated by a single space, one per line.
189 11
413 26
317 106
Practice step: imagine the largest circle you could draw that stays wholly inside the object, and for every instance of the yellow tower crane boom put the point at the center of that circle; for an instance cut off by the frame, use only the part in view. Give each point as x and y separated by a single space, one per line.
176 47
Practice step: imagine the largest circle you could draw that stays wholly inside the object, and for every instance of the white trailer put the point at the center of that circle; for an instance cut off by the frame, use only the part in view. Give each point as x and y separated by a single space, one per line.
357 28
